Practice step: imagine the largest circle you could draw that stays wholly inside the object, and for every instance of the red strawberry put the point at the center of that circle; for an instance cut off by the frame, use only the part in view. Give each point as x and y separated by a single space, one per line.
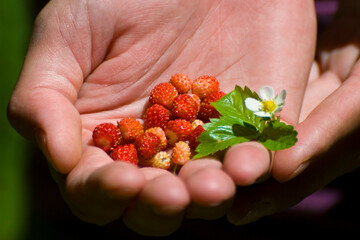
147 145
130 128
126 153
181 153
196 99
207 110
106 136
181 82
160 160
185 107
193 138
177 130
163 94
205 85
156 116
161 134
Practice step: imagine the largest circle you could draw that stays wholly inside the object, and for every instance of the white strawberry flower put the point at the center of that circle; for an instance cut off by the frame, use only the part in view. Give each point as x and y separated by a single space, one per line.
269 103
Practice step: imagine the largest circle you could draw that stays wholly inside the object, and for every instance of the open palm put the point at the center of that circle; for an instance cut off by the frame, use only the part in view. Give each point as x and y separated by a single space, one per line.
91 62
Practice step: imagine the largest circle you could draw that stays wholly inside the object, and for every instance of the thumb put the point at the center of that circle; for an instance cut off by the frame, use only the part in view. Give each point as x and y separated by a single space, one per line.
42 105
46 117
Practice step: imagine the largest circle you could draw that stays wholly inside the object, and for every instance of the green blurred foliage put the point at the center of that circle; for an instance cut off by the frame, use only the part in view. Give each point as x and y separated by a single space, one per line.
15 24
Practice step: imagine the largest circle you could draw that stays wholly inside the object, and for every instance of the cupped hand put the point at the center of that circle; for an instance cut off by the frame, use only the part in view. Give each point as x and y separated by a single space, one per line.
328 128
90 62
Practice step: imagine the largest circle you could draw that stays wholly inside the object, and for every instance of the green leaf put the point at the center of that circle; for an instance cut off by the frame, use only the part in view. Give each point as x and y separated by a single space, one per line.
247 130
238 124
221 133
218 122
277 136
232 105
210 147
218 136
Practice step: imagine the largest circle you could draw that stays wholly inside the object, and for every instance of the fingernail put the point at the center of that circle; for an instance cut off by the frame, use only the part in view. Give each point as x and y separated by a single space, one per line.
41 141
257 211
299 170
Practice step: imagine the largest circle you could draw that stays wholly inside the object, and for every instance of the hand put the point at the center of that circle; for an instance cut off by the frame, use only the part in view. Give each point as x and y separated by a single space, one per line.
328 129
88 63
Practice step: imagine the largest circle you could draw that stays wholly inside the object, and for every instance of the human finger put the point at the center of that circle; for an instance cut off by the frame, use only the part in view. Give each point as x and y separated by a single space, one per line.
326 125
256 201
42 105
98 189
210 188
160 207
248 163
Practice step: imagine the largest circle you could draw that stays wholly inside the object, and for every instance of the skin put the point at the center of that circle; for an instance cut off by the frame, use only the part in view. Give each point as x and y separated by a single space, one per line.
88 63
328 129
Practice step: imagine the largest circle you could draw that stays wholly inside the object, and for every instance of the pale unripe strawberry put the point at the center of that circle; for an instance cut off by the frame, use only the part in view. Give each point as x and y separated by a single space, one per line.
181 153
161 160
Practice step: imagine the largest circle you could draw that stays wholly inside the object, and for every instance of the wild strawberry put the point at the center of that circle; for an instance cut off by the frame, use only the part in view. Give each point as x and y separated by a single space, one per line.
158 131
193 138
147 145
196 99
106 136
181 153
207 110
185 107
156 116
163 94
177 130
160 160
126 153
181 82
205 85
196 123
130 129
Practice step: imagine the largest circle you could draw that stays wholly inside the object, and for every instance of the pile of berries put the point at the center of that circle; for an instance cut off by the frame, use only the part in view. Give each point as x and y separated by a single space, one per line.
167 135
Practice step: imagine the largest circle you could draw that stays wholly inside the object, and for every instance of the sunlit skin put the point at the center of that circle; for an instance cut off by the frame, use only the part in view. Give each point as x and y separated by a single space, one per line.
88 63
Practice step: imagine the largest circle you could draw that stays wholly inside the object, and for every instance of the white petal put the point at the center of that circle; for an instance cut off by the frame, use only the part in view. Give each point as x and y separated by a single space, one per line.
266 93
253 104
278 109
280 98
262 114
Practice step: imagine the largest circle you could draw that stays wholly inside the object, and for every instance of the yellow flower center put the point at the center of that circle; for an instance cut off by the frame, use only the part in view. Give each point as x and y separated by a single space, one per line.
268 106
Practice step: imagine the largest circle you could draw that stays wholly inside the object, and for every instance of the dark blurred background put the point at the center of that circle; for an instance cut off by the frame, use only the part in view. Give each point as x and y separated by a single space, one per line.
31 207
